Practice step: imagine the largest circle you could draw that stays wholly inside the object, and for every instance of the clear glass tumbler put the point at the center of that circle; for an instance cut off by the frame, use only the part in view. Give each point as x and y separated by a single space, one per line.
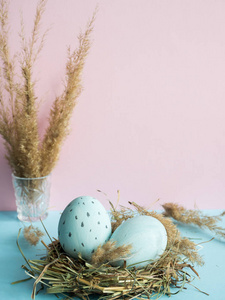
32 197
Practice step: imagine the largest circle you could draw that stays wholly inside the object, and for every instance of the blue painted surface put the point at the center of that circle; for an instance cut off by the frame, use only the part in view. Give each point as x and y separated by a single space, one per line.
212 274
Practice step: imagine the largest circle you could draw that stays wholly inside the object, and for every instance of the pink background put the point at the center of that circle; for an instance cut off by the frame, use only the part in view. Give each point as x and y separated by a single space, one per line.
150 121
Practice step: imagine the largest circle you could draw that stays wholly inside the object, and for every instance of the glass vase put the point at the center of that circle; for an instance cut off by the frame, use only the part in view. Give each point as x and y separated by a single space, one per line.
32 197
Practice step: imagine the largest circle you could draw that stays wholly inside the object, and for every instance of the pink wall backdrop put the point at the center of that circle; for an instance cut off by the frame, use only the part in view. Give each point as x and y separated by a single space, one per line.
150 121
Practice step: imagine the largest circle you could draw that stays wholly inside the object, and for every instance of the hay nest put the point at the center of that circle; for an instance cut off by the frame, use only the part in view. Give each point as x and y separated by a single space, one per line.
77 277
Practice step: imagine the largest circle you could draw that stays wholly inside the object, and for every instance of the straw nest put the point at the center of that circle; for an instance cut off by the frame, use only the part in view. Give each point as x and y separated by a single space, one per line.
77 277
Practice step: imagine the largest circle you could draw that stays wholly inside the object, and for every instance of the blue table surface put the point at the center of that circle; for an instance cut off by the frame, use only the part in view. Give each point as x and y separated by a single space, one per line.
212 274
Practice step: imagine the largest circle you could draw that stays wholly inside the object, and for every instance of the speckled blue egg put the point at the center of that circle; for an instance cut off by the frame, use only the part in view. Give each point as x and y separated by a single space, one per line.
83 226
146 235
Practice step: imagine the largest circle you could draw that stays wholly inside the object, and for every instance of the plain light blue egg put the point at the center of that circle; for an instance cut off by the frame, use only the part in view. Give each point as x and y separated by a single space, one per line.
83 226
148 238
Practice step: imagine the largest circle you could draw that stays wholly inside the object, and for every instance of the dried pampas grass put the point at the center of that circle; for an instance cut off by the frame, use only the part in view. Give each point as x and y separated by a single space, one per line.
194 217
109 252
28 155
32 234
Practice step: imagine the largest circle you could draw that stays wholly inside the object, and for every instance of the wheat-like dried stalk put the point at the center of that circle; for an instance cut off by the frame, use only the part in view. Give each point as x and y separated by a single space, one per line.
63 105
32 234
194 217
27 154
109 252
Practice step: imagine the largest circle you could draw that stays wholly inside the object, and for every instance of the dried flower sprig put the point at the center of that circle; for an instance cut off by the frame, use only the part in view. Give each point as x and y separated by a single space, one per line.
63 106
109 252
194 217
27 154
32 234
